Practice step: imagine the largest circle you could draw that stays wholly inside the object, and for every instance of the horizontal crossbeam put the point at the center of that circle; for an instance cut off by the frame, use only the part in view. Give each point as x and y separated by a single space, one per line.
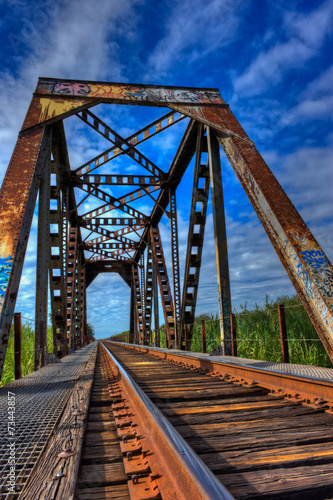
122 180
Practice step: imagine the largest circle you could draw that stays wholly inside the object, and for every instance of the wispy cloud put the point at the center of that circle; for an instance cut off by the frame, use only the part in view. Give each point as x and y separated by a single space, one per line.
305 36
194 30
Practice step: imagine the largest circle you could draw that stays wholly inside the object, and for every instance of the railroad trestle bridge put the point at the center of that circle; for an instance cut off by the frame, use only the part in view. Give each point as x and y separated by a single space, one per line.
89 400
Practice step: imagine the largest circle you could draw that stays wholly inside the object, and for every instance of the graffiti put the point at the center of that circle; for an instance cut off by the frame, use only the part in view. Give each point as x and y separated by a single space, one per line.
5 268
318 289
316 259
128 92
322 270
79 89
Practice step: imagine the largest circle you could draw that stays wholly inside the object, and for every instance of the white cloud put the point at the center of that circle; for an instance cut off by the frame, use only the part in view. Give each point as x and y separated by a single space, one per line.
307 33
194 30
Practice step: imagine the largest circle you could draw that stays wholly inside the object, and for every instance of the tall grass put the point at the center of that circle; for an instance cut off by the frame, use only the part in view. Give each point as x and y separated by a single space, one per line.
28 348
257 333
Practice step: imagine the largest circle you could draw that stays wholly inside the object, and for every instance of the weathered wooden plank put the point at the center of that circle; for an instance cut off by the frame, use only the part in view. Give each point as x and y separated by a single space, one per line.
231 416
261 440
104 493
102 453
251 459
302 483
102 475
300 417
227 407
100 426
43 481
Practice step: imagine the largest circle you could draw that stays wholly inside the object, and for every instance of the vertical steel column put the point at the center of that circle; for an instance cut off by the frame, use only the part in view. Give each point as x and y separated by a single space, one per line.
175 264
132 315
138 302
220 239
143 299
56 268
148 290
71 287
196 232
83 307
156 312
42 265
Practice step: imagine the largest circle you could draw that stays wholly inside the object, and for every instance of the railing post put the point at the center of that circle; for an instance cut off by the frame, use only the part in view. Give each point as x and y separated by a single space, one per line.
203 335
17 345
283 334
186 337
233 335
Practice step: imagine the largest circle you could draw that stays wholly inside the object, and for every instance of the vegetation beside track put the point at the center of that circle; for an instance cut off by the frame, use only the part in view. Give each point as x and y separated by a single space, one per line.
28 348
257 333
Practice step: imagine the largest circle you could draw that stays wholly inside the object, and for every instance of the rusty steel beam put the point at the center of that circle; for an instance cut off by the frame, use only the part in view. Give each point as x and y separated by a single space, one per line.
163 281
72 263
149 290
128 93
58 250
110 245
220 240
117 221
17 201
156 309
138 323
42 266
122 180
195 237
83 307
175 264
143 299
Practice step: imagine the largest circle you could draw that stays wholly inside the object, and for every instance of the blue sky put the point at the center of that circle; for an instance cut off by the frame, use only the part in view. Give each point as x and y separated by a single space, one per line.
272 62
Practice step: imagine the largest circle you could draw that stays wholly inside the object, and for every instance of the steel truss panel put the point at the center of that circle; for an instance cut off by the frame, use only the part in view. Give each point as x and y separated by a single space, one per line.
163 281
112 203
117 150
195 238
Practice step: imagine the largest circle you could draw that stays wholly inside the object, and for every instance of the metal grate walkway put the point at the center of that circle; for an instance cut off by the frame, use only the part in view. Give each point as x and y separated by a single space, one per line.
39 401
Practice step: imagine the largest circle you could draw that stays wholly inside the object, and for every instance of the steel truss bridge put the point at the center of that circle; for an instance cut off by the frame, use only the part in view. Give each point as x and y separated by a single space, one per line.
40 165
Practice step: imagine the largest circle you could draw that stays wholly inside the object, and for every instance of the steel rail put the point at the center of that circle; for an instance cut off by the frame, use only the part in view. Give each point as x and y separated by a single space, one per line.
182 474
306 389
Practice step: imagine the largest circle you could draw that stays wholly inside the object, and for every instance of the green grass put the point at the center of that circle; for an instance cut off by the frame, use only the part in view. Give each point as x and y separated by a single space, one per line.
28 347
257 333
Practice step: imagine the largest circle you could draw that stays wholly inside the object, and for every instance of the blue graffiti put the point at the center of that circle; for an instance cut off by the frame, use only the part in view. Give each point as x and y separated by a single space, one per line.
316 259
5 269
323 272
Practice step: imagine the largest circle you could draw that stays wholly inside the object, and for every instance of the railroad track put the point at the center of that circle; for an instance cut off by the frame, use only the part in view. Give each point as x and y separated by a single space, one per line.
259 442
151 424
